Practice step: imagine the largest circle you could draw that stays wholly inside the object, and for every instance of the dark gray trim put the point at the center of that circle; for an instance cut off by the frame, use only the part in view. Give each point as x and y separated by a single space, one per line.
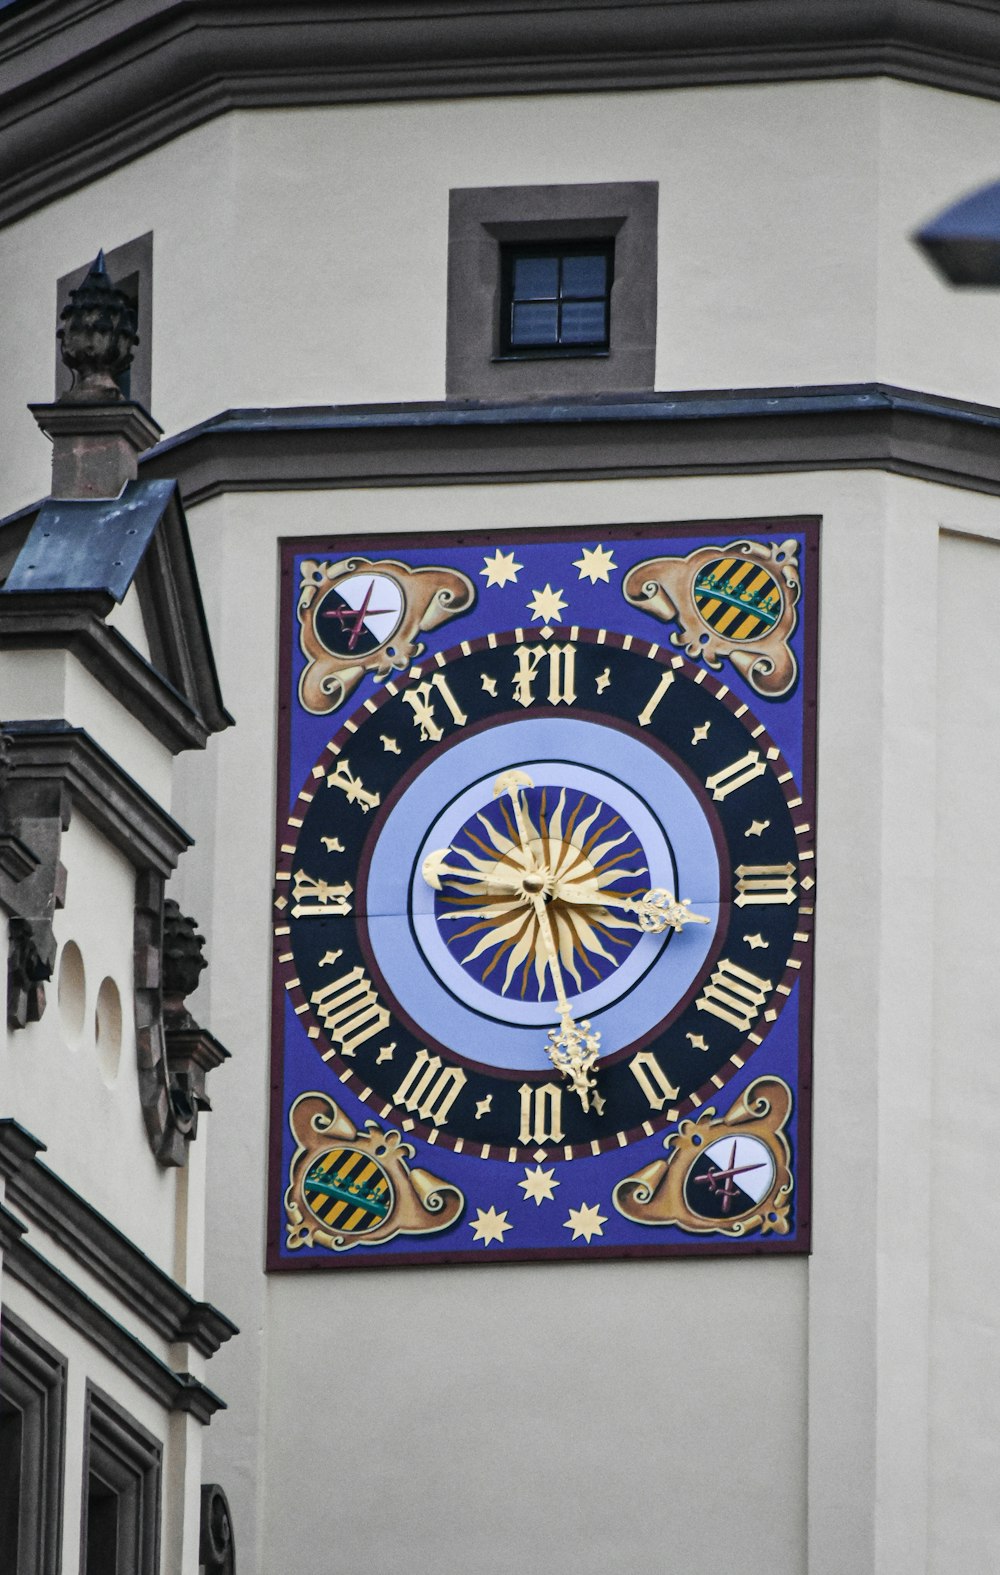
103 1250
74 621
88 85
483 218
127 1461
868 426
59 765
131 268
33 1380
175 1391
176 693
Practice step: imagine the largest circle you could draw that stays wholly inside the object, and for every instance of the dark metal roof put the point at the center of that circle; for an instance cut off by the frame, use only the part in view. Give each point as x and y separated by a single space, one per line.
94 544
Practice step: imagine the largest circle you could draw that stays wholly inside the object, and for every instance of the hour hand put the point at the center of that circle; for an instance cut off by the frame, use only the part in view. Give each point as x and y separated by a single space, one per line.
435 869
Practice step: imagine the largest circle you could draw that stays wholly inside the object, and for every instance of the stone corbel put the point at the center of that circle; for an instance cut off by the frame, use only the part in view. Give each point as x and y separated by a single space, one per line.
175 1054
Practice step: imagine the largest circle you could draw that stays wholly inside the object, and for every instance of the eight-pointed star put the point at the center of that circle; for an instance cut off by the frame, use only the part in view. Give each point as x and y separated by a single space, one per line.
489 1225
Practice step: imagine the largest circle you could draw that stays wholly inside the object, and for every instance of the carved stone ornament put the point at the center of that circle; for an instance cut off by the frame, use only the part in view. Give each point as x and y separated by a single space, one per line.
347 1189
97 337
217 1544
736 601
358 617
27 971
727 1176
174 1053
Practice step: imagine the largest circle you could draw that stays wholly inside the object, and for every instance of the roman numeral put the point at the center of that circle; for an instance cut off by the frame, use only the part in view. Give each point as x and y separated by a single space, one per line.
737 775
343 777
429 1090
734 994
646 714
541 1114
318 899
561 661
652 1079
764 883
420 697
350 1010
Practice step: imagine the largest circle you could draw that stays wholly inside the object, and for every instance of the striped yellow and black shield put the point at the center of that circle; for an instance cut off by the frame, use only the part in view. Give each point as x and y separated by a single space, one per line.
347 1190
737 598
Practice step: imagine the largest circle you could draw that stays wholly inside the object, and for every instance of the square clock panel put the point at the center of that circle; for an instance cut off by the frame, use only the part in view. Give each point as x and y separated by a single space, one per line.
545 884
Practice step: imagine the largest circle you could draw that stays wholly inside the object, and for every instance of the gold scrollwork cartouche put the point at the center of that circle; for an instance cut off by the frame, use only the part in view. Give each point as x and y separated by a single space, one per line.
736 601
749 1138
367 1194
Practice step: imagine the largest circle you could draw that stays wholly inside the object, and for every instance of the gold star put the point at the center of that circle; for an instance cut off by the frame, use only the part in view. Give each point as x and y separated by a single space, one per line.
586 1221
756 827
329 958
700 733
697 1042
604 680
538 1184
489 1226
385 1053
332 844
501 569
594 564
547 605
484 1106
489 684
756 942
389 744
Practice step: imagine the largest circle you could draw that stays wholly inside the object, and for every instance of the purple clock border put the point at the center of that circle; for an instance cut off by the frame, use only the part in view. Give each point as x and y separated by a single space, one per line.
806 644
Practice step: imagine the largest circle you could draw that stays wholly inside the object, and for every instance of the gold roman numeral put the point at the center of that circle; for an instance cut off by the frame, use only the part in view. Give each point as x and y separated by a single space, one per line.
350 1010
742 771
541 1114
646 714
429 1089
319 899
765 883
421 698
734 994
561 660
343 777
652 1079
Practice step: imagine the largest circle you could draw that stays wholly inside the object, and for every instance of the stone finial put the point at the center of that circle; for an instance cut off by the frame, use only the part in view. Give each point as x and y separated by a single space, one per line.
97 435
183 961
98 336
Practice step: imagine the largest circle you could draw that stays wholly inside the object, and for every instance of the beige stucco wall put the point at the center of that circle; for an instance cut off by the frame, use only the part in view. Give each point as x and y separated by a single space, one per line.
523 1414
300 255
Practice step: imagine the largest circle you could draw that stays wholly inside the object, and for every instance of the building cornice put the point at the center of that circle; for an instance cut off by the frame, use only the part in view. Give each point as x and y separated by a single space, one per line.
868 426
58 767
102 1249
175 1391
88 85
76 622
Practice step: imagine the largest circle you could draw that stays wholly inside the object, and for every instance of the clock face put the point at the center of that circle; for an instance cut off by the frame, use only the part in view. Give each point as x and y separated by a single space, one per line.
544 900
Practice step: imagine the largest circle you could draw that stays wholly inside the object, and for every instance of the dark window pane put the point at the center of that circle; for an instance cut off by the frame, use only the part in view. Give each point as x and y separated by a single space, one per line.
534 325
535 278
584 276
11 1453
583 323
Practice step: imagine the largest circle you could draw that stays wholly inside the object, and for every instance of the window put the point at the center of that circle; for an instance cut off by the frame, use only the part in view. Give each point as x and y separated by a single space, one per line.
556 299
32 1420
130 267
120 1531
551 290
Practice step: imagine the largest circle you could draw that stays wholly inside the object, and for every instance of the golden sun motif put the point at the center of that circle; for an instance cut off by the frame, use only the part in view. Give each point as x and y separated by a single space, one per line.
570 856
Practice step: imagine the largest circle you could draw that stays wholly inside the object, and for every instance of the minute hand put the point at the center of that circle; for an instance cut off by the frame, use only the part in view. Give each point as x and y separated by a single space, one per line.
657 910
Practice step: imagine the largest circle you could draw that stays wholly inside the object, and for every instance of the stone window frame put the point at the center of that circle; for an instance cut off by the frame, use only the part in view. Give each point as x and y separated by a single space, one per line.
483 218
33 1381
128 1460
130 265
